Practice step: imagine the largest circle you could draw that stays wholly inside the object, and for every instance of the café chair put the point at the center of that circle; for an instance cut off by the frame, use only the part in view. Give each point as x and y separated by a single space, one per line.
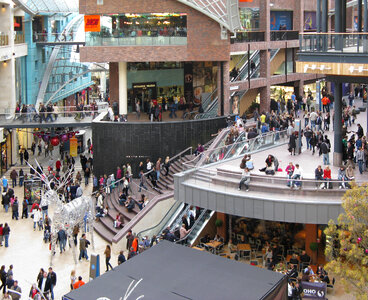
247 254
239 238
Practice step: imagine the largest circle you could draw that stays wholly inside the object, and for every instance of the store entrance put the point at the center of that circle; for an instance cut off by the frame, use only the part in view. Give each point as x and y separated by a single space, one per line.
144 93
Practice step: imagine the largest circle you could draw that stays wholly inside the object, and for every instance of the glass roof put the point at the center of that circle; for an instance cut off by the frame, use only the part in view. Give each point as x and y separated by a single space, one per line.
49 6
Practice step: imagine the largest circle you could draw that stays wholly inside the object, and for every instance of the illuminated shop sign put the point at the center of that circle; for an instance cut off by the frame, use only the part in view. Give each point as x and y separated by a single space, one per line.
92 23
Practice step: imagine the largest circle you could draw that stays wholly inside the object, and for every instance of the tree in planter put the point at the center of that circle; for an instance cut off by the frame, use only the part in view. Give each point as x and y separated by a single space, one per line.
347 242
218 223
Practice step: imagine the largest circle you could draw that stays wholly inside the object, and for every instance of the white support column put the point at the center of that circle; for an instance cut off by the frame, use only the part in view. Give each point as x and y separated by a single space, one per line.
123 88
103 82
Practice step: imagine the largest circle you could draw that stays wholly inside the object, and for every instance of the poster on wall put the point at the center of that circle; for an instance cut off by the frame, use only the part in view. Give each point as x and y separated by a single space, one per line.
235 105
188 82
310 20
281 20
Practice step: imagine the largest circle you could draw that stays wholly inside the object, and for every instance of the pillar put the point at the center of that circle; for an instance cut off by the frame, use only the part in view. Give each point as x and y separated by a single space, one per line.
311 237
324 24
14 147
114 82
338 24
365 41
318 16
365 16
337 154
265 73
359 16
223 92
221 231
103 82
264 18
343 14
298 16
123 88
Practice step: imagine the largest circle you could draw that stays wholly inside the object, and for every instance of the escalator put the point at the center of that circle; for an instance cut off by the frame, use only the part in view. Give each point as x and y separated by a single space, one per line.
197 228
240 94
212 107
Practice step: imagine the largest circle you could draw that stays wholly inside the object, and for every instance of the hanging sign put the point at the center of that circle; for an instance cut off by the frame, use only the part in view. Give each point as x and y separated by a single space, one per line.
92 23
73 147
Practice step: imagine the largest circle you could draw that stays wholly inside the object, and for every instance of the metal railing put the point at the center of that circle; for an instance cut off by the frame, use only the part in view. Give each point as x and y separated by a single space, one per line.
44 37
248 36
19 37
284 35
333 42
4 39
238 149
99 39
33 116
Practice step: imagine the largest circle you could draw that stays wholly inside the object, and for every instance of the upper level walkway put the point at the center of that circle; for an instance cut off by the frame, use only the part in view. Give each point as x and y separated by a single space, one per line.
67 116
215 185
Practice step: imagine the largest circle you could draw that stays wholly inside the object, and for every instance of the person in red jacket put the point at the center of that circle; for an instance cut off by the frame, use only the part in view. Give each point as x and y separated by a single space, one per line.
326 104
79 283
327 177
58 165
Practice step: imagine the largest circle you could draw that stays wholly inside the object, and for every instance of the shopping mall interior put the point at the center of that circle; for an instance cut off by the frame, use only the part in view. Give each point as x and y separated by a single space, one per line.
224 137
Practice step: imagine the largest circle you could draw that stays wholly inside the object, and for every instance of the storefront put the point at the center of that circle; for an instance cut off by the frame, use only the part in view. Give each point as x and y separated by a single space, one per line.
165 81
6 150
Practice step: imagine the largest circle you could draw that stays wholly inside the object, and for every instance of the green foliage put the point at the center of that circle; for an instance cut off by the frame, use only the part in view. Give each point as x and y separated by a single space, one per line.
218 223
347 242
313 246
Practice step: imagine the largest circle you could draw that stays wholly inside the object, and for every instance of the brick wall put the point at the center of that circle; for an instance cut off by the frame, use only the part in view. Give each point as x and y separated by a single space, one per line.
203 35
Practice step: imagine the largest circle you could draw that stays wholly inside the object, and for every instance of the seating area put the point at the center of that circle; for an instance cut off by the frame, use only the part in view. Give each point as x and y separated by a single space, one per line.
105 225
275 184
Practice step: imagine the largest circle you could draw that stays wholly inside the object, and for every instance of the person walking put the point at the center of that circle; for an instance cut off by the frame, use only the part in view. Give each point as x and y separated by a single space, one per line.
108 257
360 159
15 209
6 233
21 177
73 279
83 244
21 156
167 165
1 235
142 181
26 155
52 277
3 278
245 179
13 176
61 238
5 184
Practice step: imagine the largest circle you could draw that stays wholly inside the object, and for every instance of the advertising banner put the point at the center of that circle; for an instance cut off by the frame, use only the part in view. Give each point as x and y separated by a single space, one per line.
92 23
314 290
73 146
310 20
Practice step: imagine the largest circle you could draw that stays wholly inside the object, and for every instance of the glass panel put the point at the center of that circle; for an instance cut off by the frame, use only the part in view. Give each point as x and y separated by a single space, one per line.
140 30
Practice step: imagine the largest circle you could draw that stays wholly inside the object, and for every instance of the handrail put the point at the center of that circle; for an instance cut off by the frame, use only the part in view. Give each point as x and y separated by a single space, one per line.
172 158
261 136
275 177
334 33
193 226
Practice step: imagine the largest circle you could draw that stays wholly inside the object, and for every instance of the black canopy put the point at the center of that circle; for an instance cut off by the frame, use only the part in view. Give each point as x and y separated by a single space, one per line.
170 271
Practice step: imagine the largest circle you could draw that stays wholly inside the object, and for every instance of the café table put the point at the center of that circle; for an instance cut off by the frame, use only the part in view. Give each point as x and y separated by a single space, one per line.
243 248
197 248
213 245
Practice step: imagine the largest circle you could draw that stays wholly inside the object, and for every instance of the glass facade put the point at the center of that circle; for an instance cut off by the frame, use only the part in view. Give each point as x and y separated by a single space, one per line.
249 18
140 30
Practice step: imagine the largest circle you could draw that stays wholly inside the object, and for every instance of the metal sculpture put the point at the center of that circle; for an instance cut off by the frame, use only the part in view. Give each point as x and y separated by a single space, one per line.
78 212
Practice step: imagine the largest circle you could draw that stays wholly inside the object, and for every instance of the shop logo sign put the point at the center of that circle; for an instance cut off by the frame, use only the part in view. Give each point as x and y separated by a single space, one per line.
92 23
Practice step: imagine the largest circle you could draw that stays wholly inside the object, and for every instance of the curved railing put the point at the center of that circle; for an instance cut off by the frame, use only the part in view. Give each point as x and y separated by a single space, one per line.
240 148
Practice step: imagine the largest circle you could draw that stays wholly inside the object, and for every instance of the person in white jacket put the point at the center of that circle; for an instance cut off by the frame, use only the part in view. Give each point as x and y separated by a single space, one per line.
37 216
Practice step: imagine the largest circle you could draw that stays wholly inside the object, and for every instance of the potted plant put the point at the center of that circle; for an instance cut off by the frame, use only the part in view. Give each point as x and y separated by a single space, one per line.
218 223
